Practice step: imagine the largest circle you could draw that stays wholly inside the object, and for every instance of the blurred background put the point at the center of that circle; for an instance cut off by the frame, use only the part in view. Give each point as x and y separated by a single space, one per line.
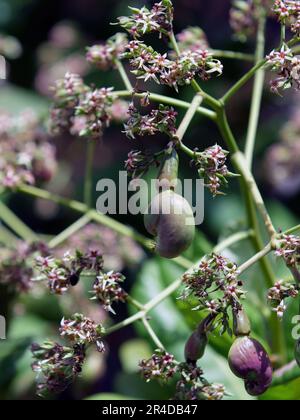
42 40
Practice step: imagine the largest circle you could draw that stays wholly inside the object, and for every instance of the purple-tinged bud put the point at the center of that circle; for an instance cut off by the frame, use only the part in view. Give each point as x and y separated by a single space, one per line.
297 352
241 323
249 360
195 347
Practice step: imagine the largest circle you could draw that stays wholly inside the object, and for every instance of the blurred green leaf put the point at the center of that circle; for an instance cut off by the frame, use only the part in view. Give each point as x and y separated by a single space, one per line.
109 397
14 99
132 352
286 392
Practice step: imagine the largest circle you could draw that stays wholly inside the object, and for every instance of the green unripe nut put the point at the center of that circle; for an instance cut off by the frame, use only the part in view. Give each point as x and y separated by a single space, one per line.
171 220
168 174
241 323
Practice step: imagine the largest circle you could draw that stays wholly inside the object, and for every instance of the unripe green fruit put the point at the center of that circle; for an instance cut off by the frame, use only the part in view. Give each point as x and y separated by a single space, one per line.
168 174
241 323
171 220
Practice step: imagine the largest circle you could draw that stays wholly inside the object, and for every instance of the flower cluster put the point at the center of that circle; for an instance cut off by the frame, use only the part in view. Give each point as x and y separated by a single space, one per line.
148 65
161 365
289 249
118 251
138 163
64 273
27 156
104 55
16 271
283 159
56 366
143 21
93 109
278 294
243 19
83 111
162 120
211 165
80 330
288 12
193 39
107 290
287 67
215 275
190 384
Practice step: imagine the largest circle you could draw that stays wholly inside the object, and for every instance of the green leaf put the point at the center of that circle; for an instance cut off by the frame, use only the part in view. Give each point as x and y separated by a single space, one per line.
132 352
286 392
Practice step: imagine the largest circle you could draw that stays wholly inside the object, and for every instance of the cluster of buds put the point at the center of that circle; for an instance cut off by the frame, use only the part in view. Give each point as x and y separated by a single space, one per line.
190 384
82 331
138 163
288 12
27 156
161 366
282 160
161 120
56 366
211 165
66 95
143 21
93 110
288 248
63 273
118 251
83 111
193 39
105 55
287 67
243 18
214 274
278 294
107 290
148 65
16 271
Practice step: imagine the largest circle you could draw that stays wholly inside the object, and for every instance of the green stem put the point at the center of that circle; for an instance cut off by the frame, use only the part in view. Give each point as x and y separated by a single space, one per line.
88 184
123 75
257 93
286 374
152 334
188 117
240 163
234 55
16 224
167 101
71 230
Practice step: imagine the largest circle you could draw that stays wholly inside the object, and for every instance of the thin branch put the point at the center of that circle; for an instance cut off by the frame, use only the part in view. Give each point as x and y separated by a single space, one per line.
123 75
71 230
88 183
167 101
152 334
257 93
16 224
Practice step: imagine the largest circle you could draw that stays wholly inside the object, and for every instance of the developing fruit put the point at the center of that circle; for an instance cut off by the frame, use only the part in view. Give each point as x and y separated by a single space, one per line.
249 360
170 219
241 323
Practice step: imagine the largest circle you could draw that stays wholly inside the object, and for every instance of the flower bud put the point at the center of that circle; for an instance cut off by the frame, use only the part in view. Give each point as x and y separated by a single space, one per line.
170 218
297 352
195 347
249 360
168 174
241 323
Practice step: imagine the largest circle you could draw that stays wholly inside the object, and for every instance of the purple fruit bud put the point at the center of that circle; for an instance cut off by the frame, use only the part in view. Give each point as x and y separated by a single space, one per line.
297 352
195 347
249 360
257 388
168 174
241 323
